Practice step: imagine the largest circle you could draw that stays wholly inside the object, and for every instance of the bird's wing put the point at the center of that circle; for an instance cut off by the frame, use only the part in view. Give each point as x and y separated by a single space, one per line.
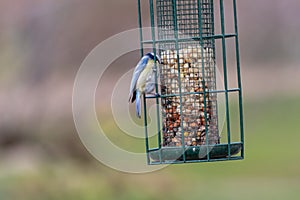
136 74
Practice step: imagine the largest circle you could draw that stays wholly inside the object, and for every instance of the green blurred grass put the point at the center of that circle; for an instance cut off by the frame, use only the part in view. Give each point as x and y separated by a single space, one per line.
269 171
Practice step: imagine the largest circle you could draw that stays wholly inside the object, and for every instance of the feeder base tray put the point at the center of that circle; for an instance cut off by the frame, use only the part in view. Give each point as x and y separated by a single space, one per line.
194 153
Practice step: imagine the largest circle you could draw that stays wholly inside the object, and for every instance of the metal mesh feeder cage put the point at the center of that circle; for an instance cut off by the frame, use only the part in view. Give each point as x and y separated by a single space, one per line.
188 120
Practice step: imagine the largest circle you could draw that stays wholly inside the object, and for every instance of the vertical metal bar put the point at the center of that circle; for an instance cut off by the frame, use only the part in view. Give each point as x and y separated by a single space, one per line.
156 76
140 28
213 24
144 99
152 28
146 130
203 76
179 81
214 68
225 76
239 77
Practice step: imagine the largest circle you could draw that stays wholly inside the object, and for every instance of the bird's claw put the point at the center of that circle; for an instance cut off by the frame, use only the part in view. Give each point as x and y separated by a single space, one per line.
154 95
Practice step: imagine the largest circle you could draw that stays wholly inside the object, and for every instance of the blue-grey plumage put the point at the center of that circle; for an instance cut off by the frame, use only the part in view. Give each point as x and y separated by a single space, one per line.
143 80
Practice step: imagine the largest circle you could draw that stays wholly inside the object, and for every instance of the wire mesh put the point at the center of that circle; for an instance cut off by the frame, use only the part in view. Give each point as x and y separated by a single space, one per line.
188 72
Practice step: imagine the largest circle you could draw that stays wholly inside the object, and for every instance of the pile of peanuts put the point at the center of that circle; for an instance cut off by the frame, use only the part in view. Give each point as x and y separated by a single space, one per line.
185 113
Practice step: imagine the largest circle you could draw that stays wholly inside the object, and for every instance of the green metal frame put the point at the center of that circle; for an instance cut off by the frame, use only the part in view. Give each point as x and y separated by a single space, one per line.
188 154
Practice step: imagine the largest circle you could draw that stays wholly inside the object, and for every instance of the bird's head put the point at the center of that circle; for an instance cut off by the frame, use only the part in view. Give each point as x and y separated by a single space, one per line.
151 56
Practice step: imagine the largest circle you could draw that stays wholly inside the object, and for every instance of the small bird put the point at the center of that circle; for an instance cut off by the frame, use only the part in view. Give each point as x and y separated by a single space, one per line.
143 80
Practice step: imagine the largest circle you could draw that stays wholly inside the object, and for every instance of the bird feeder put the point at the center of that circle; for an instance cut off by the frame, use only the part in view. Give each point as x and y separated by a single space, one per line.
188 121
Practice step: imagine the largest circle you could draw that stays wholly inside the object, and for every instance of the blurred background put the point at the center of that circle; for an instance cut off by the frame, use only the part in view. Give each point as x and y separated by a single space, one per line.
43 43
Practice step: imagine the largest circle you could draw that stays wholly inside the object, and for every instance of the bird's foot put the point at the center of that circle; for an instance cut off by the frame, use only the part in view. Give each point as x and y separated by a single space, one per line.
157 94
153 95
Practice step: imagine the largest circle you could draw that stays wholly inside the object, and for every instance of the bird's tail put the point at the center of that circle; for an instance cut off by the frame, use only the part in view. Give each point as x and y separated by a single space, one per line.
138 104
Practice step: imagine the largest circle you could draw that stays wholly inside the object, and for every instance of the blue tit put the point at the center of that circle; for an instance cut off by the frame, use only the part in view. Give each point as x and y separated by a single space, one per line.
143 80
